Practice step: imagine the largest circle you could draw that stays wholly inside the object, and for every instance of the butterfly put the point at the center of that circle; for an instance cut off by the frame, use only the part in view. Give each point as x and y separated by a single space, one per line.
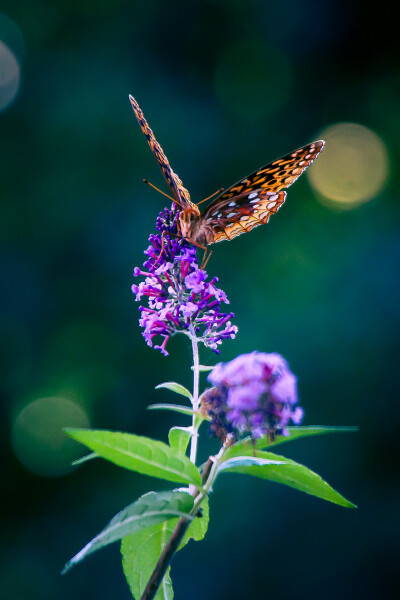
243 206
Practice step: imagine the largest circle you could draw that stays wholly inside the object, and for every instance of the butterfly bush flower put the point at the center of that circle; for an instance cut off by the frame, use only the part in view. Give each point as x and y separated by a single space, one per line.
254 393
179 297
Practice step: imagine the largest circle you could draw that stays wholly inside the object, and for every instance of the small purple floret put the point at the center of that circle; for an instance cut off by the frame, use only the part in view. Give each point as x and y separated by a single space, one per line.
180 300
254 393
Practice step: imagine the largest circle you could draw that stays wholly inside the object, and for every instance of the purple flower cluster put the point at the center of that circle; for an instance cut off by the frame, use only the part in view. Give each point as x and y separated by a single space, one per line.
254 393
180 299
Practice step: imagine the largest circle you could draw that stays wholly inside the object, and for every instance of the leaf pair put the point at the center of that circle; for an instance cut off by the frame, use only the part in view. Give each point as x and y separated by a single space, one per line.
182 391
145 527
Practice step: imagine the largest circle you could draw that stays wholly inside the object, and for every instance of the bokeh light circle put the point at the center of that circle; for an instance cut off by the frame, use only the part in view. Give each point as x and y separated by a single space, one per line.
12 51
252 81
353 167
38 438
9 76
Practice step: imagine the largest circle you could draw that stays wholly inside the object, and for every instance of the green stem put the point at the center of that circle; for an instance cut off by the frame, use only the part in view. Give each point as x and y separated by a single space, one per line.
195 401
208 478
209 475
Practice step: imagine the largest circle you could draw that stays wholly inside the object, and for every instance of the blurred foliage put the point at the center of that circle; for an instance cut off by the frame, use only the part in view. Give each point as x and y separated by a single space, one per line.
226 86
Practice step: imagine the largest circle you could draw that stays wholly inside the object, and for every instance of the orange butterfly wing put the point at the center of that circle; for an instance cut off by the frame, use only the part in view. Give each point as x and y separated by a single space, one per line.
277 175
251 201
179 192
242 214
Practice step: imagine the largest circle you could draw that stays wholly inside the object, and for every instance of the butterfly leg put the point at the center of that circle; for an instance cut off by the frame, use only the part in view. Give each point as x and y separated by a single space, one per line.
179 236
164 233
205 260
162 246
206 250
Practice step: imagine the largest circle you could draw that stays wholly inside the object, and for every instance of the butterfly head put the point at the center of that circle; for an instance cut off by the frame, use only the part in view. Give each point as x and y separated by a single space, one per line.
190 223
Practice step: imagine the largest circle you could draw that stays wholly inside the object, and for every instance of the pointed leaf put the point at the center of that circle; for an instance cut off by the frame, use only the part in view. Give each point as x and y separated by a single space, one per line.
179 438
174 407
247 461
175 387
141 551
140 554
294 433
294 475
139 453
80 461
150 509
181 409
198 528
204 368
199 419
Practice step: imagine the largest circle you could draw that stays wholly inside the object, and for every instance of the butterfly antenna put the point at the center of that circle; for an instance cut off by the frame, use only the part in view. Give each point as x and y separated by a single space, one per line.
205 199
163 193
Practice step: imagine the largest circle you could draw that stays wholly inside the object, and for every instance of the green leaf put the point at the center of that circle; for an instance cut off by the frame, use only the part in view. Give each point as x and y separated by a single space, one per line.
140 554
198 528
247 461
139 453
150 509
294 475
203 368
294 434
141 551
179 438
199 419
174 407
181 409
175 387
80 461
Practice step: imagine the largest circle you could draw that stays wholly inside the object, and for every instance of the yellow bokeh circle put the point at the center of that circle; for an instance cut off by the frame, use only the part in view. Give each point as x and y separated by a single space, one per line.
38 438
9 76
12 51
353 167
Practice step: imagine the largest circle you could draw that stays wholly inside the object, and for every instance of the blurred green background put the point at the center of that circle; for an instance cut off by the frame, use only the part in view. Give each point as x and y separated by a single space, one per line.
227 85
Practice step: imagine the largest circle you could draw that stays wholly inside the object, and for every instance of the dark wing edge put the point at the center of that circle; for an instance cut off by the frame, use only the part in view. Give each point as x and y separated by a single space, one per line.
275 176
179 192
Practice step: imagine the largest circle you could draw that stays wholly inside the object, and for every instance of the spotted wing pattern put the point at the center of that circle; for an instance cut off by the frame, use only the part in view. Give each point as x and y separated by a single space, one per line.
234 217
277 175
179 192
250 202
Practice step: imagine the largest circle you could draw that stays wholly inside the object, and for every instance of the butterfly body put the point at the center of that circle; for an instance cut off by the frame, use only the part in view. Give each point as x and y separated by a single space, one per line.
193 228
243 206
